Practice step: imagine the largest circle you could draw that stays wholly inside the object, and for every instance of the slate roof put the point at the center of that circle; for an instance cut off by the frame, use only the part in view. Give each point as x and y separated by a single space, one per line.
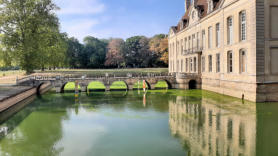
202 7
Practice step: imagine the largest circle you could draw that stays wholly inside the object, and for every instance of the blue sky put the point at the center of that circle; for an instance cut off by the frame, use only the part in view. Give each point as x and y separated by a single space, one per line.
118 18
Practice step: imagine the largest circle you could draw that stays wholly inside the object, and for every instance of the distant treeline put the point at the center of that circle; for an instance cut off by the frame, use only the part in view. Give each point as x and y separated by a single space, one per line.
137 51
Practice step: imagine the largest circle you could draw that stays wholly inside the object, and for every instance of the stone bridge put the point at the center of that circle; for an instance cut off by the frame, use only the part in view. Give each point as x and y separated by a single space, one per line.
188 81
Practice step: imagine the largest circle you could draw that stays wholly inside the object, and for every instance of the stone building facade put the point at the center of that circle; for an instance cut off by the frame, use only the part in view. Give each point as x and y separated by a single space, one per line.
231 44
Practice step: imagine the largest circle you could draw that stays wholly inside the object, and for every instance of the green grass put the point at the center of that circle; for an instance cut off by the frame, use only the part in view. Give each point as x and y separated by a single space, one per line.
118 85
70 86
96 85
161 84
139 85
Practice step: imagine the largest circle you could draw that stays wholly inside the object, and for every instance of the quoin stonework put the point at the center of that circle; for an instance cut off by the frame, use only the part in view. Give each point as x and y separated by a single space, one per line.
232 45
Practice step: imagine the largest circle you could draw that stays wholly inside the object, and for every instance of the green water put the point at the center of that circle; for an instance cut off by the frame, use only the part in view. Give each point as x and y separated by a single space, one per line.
160 123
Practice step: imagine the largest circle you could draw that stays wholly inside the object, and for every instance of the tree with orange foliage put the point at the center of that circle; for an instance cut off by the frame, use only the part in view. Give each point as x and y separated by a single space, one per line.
114 57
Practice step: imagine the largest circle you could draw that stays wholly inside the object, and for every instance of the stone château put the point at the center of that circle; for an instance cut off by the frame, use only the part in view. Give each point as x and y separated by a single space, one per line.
231 44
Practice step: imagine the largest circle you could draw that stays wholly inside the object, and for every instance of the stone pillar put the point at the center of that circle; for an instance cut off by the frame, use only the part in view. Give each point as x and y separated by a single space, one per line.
83 88
130 87
107 88
58 89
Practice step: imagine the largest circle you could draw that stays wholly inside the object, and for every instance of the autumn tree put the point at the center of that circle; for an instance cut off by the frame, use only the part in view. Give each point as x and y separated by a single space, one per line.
114 56
159 46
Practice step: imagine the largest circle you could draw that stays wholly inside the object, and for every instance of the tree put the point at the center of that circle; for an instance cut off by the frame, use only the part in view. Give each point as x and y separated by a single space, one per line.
159 46
24 23
114 56
94 53
136 51
74 53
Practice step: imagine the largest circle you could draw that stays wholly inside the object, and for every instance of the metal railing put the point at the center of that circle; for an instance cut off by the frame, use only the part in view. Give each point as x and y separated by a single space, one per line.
193 50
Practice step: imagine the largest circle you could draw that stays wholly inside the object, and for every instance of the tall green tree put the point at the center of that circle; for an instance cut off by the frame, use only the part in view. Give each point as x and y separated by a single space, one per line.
74 53
136 52
24 23
94 53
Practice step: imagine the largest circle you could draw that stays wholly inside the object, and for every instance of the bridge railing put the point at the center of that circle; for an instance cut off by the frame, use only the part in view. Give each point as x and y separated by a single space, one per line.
83 77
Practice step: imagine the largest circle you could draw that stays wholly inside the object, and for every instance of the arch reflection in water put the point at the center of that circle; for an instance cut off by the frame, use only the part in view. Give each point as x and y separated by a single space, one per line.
207 127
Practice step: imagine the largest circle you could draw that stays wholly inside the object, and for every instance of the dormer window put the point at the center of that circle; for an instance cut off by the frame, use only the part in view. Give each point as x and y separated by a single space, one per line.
210 6
193 14
181 24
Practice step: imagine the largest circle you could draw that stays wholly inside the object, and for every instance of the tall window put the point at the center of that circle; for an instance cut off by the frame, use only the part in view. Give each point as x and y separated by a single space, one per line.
186 64
218 63
195 64
189 43
193 41
203 39
203 63
242 61
181 65
178 47
191 64
181 47
198 42
178 66
217 29
230 61
173 48
242 20
185 44
230 30
210 63
210 37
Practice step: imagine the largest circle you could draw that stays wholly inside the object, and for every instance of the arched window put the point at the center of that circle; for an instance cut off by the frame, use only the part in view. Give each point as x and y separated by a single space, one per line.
242 61
229 30
242 26
230 61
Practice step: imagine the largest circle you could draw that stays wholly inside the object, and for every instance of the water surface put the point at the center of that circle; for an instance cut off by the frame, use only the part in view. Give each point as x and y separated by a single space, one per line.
159 123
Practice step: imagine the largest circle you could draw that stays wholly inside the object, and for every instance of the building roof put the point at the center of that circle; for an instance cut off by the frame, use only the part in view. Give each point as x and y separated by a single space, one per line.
202 7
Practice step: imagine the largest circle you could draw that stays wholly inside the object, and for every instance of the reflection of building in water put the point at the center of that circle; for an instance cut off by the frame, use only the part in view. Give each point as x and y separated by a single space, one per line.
208 128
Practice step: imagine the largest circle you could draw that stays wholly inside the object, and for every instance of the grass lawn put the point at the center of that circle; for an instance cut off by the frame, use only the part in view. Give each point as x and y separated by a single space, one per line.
118 85
96 85
161 84
70 86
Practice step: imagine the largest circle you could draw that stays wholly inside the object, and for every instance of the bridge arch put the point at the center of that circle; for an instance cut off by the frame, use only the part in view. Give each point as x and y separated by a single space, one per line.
162 84
69 86
192 84
96 86
39 88
119 85
139 84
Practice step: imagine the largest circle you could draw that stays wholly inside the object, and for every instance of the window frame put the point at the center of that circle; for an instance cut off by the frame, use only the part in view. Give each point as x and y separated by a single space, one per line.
210 63
241 22
230 29
218 35
241 62
210 37
218 63
230 62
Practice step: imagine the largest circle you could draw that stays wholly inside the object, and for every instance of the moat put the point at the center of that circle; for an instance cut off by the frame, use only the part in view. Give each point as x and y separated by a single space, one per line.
159 123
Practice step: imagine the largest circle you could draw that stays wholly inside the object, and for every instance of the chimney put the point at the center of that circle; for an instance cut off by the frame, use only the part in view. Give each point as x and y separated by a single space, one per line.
187 4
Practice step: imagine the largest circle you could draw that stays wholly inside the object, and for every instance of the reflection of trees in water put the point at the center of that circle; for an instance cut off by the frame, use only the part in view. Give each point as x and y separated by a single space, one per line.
207 129
35 129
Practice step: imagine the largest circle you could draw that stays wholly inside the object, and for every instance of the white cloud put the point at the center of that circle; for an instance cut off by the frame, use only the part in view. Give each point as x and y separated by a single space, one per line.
80 7
79 28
